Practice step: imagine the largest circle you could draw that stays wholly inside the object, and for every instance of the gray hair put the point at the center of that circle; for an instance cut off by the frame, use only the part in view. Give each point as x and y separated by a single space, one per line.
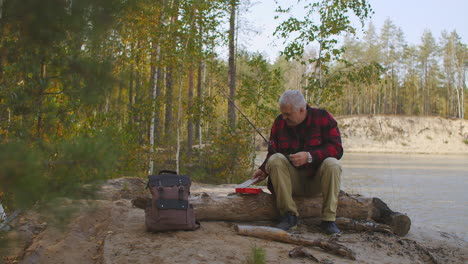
293 98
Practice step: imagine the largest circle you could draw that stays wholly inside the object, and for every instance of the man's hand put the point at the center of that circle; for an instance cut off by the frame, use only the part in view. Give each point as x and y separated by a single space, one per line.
299 158
258 176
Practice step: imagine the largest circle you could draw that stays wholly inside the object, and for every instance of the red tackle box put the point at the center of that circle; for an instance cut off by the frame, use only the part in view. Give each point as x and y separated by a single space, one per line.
248 190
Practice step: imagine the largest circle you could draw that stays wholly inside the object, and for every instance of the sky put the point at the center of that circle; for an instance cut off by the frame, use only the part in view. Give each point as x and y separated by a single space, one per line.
412 16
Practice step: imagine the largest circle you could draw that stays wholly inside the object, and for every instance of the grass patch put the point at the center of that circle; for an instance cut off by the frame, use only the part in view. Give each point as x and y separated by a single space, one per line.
429 137
257 256
465 141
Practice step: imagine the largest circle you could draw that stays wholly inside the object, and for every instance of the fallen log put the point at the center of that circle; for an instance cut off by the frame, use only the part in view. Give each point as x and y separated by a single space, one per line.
271 233
355 225
261 207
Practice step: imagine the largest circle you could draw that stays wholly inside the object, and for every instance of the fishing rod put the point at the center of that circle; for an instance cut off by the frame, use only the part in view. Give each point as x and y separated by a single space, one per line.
246 118
270 147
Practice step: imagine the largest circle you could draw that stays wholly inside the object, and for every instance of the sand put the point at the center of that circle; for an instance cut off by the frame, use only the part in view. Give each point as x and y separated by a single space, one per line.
392 134
109 230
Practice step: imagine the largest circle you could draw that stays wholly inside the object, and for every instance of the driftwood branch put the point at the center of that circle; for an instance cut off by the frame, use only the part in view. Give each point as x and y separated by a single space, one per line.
301 252
271 233
262 207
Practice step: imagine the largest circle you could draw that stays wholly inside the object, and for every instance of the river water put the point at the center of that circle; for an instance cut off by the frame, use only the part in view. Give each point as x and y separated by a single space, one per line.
431 189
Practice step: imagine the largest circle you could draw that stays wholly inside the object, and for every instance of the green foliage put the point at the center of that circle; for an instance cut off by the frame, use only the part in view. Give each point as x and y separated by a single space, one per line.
20 174
333 20
257 256
227 158
323 23
42 171
261 86
203 108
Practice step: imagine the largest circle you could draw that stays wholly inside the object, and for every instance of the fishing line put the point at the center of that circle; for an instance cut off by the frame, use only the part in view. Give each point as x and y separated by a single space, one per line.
270 146
246 118
392 183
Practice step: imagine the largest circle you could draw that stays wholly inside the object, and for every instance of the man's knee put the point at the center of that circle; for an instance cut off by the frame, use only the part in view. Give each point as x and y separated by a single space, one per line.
331 164
330 169
276 160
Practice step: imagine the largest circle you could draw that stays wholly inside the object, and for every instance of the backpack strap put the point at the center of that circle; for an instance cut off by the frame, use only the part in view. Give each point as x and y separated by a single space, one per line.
172 204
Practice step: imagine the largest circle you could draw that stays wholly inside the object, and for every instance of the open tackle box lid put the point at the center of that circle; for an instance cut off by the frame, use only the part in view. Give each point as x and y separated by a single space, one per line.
244 188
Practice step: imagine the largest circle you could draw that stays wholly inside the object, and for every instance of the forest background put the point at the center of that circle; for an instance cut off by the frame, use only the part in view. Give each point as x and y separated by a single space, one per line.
92 90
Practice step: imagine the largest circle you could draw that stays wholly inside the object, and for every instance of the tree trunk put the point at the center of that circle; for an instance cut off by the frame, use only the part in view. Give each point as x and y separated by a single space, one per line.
130 97
464 86
171 60
261 207
179 124
199 78
1 8
154 92
458 102
41 89
232 65
199 95
158 132
202 97
191 76
169 99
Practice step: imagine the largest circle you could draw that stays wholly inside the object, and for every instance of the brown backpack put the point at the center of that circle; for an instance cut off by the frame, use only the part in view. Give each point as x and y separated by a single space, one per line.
170 208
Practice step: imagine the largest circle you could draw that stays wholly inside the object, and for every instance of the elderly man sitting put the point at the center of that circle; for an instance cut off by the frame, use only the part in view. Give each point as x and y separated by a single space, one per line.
302 160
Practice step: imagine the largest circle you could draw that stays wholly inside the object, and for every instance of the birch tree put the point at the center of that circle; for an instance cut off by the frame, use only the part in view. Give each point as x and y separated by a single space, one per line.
333 21
427 53
233 4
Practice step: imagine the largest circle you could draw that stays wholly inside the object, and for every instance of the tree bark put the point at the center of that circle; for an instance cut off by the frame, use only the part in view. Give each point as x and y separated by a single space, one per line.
130 97
200 98
1 8
464 86
170 70
191 76
169 99
155 92
232 65
262 207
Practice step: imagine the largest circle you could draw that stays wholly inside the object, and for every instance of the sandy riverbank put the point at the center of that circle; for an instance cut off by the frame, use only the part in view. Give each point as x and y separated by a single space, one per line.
397 134
109 230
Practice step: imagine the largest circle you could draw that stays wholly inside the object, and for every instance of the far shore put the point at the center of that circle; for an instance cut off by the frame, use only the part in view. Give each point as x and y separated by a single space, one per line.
403 152
401 134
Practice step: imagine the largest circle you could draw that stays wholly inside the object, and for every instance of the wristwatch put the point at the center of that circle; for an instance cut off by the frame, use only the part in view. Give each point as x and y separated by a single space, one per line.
309 157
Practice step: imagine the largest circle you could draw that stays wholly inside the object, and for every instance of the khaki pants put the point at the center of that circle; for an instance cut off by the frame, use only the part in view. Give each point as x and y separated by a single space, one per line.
288 181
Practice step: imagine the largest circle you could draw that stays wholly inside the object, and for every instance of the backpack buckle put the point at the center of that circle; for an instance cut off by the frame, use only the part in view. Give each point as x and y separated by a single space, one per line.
181 192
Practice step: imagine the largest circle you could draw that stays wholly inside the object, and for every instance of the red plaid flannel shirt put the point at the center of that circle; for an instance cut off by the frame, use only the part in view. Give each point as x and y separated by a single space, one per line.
318 134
